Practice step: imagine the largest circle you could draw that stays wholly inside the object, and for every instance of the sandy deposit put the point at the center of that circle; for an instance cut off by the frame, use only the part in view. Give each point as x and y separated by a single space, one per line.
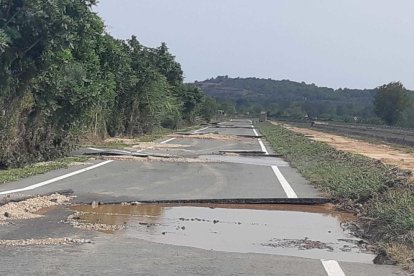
27 209
49 241
152 145
212 136
159 159
386 154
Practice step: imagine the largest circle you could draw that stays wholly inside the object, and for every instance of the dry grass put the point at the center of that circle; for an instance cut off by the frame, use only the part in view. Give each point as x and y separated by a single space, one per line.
403 254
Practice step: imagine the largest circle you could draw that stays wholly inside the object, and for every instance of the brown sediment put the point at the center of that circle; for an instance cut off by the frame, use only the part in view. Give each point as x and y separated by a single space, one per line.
112 217
156 209
384 153
29 208
305 231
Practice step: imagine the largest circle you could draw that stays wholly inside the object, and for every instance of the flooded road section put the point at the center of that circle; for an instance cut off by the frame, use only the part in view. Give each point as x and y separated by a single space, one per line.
310 231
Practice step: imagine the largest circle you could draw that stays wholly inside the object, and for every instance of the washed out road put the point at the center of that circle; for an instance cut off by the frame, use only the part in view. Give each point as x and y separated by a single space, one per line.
225 161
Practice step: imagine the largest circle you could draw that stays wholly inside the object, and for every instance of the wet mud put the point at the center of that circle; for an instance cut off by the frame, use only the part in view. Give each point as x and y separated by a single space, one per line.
311 231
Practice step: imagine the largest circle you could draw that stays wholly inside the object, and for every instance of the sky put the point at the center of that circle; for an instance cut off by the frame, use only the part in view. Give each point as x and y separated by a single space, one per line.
333 43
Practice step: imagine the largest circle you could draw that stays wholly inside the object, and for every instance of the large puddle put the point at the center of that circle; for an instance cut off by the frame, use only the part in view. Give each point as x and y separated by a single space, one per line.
293 230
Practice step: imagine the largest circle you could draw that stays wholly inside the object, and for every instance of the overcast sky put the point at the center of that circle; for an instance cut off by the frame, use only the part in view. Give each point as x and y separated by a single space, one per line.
335 43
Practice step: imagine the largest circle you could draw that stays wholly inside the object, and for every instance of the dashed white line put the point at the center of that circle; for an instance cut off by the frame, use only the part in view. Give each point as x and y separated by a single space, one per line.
166 141
95 149
332 268
47 182
262 146
197 131
290 193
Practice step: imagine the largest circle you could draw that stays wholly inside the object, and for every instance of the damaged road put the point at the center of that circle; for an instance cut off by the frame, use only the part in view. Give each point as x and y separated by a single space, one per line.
214 201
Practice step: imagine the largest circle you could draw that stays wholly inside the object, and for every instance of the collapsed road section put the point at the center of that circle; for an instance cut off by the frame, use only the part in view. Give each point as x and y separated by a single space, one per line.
212 201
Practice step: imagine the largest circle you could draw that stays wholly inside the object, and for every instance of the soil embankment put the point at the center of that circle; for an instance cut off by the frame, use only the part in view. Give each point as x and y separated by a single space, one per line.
384 153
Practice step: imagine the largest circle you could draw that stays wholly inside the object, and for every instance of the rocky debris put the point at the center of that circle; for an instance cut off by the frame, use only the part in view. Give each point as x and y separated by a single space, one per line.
27 209
48 241
76 221
383 259
301 244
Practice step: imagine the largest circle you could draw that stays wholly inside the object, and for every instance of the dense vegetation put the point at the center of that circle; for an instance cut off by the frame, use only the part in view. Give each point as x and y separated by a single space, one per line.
62 76
391 102
294 100
382 195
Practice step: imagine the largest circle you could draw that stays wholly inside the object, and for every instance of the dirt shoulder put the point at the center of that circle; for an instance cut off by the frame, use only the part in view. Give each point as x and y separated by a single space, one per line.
385 153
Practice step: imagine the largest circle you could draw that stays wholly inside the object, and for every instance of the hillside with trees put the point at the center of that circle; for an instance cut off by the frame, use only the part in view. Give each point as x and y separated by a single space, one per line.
62 76
294 100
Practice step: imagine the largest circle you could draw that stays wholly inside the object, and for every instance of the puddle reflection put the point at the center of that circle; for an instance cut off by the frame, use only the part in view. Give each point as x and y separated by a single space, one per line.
312 231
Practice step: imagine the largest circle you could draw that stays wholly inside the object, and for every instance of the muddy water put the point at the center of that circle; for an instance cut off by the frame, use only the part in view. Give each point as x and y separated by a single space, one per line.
305 231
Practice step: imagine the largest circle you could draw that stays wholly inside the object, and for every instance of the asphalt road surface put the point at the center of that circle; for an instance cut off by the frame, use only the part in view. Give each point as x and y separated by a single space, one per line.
230 162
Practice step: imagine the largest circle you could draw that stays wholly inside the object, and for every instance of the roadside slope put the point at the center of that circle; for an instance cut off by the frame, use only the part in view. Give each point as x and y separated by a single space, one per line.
381 195
384 153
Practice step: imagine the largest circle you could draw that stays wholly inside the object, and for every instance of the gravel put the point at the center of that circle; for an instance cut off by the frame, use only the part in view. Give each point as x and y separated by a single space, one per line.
48 241
27 209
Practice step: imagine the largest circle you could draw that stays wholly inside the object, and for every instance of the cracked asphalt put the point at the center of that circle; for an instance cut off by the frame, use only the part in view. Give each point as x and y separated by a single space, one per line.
179 177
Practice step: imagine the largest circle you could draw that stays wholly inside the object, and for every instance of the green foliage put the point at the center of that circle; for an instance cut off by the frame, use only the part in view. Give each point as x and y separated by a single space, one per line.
208 108
390 102
62 76
294 100
289 99
38 168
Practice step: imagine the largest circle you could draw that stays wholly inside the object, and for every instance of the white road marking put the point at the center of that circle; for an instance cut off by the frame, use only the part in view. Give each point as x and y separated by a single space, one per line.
262 146
95 149
47 182
197 131
166 141
332 268
285 184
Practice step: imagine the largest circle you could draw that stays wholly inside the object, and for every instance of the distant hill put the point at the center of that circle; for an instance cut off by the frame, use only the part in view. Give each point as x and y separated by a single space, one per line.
290 99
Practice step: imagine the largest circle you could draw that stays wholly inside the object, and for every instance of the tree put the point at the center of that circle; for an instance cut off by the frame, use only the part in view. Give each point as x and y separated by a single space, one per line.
390 102
208 108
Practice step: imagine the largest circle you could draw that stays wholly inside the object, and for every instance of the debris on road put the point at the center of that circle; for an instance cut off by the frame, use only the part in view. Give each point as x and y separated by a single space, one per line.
27 209
48 241
246 228
211 136
172 159
75 221
301 244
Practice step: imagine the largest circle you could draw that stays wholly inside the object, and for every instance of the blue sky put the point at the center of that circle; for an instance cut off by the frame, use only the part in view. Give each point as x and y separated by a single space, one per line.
334 43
